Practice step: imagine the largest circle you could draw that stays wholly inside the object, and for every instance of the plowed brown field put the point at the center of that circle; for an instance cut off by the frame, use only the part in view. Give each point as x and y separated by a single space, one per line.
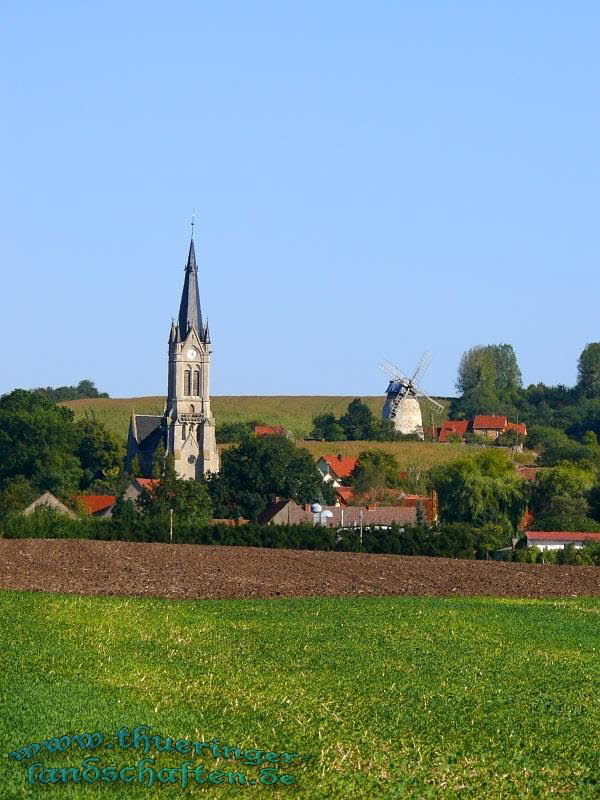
197 571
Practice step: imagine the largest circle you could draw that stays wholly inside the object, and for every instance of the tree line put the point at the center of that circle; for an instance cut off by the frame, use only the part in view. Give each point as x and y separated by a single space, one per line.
84 389
489 381
357 424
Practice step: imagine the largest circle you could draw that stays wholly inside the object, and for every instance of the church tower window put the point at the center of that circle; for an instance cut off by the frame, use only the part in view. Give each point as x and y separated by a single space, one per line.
187 377
196 383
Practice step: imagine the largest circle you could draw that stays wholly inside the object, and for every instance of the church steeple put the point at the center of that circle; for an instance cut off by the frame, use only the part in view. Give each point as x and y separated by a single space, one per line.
190 313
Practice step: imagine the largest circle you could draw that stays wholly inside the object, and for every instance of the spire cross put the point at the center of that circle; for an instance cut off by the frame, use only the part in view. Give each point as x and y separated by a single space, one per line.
193 222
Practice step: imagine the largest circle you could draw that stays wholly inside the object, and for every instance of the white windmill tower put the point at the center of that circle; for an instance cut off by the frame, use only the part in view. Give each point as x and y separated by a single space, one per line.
401 404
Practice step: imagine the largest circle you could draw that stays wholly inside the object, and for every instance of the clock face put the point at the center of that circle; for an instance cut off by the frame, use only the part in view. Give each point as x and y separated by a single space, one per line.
192 353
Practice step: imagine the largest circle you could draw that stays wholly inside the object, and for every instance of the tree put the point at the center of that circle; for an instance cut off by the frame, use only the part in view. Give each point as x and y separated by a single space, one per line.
588 371
98 450
84 389
17 495
158 460
358 423
189 500
358 420
480 491
38 441
476 382
489 381
258 471
560 499
232 432
41 442
327 427
135 467
508 375
375 472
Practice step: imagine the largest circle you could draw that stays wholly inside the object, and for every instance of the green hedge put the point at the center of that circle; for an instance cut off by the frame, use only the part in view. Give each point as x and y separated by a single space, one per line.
454 541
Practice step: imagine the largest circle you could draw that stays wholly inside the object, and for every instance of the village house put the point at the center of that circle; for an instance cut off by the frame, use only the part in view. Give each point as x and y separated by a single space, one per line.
557 540
288 512
487 425
96 505
428 503
335 468
451 428
269 430
137 486
49 501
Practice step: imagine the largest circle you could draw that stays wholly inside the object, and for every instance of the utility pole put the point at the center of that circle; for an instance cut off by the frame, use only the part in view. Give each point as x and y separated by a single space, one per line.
361 529
171 527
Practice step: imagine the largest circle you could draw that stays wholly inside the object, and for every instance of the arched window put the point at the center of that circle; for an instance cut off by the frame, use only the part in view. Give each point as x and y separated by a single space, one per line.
187 377
192 410
196 383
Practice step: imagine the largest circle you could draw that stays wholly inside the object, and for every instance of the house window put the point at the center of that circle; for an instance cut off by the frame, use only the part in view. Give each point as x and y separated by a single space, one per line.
187 377
196 383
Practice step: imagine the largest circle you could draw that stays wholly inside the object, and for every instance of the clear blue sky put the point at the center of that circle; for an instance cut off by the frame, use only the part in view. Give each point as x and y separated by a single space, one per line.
369 179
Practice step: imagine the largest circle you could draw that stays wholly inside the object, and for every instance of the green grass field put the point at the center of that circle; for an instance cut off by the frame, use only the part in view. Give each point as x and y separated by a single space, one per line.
295 413
391 697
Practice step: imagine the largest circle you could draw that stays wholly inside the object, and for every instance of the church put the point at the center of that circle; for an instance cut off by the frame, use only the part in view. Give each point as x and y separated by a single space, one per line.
186 428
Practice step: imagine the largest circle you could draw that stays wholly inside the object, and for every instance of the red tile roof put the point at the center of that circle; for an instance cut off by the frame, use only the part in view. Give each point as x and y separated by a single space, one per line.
567 536
94 503
269 430
520 427
345 493
426 503
149 484
490 422
529 473
451 427
340 467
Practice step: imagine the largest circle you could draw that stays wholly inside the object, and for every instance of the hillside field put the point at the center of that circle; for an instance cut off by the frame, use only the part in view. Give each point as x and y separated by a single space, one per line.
295 413
389 697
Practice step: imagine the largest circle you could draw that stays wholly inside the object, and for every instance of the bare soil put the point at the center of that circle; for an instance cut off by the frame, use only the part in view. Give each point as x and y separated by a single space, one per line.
198 571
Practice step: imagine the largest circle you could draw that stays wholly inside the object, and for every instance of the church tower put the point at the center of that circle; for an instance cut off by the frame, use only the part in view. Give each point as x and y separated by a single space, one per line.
187 428
189 422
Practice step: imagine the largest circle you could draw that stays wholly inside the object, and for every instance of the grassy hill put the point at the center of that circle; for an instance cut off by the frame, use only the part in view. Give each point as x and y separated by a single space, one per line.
294 412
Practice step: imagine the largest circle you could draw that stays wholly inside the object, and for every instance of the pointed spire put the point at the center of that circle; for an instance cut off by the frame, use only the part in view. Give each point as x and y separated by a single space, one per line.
190 313
206 336
133 425
173 333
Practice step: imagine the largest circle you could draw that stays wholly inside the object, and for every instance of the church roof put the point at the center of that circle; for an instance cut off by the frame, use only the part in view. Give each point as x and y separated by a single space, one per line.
190 313
146 424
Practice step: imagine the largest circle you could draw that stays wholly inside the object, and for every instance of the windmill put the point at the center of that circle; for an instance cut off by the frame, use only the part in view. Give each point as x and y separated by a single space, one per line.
402 405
